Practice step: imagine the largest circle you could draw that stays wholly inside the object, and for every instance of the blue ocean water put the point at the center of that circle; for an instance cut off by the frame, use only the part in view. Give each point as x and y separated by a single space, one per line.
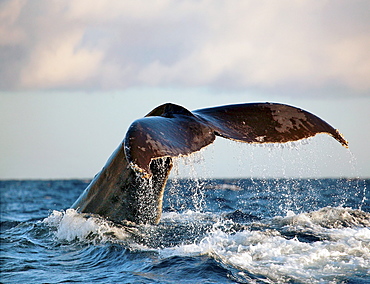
211 231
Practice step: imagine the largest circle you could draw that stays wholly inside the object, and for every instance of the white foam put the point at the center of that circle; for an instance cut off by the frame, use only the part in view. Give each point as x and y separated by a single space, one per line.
271 255
71 225
327 217
187 216
342 248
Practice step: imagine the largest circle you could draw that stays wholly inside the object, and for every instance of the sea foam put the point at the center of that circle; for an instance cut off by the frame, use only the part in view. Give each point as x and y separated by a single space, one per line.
272 253
269 254
71 225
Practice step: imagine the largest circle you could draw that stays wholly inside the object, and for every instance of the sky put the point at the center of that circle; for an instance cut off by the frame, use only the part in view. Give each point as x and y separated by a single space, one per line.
75 74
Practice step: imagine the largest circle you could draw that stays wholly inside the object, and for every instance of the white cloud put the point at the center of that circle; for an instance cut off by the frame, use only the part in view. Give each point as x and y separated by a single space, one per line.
59 63
10 34
221 44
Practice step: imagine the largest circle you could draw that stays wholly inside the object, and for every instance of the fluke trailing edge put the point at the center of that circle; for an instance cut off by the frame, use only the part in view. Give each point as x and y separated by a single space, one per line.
130 187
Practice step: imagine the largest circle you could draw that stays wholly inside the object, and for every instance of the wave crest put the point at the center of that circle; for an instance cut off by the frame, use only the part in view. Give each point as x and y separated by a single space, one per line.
327 217
71 226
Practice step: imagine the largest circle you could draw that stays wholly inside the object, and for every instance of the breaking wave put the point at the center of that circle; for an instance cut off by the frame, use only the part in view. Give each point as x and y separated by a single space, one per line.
322 246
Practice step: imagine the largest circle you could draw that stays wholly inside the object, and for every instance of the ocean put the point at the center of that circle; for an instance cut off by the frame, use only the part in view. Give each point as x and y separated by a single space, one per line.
211 231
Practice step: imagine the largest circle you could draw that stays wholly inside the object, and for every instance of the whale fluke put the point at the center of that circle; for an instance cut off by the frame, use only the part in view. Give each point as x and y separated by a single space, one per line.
171 130
131 185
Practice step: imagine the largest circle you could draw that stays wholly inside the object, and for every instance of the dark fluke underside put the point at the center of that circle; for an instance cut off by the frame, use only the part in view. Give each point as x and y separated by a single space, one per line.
130 187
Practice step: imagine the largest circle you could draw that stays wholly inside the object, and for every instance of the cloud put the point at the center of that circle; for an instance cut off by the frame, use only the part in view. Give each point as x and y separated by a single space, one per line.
10 34
281 45
59 64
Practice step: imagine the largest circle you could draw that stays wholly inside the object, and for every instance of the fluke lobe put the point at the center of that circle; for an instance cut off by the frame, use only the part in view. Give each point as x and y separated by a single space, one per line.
130 187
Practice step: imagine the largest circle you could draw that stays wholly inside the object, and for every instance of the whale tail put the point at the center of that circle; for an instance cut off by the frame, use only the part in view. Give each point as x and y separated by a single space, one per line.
171 130
130 187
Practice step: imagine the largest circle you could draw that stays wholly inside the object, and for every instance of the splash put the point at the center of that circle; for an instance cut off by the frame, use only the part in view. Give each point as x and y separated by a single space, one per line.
72 226
322 246
193 164
327 217
271 255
